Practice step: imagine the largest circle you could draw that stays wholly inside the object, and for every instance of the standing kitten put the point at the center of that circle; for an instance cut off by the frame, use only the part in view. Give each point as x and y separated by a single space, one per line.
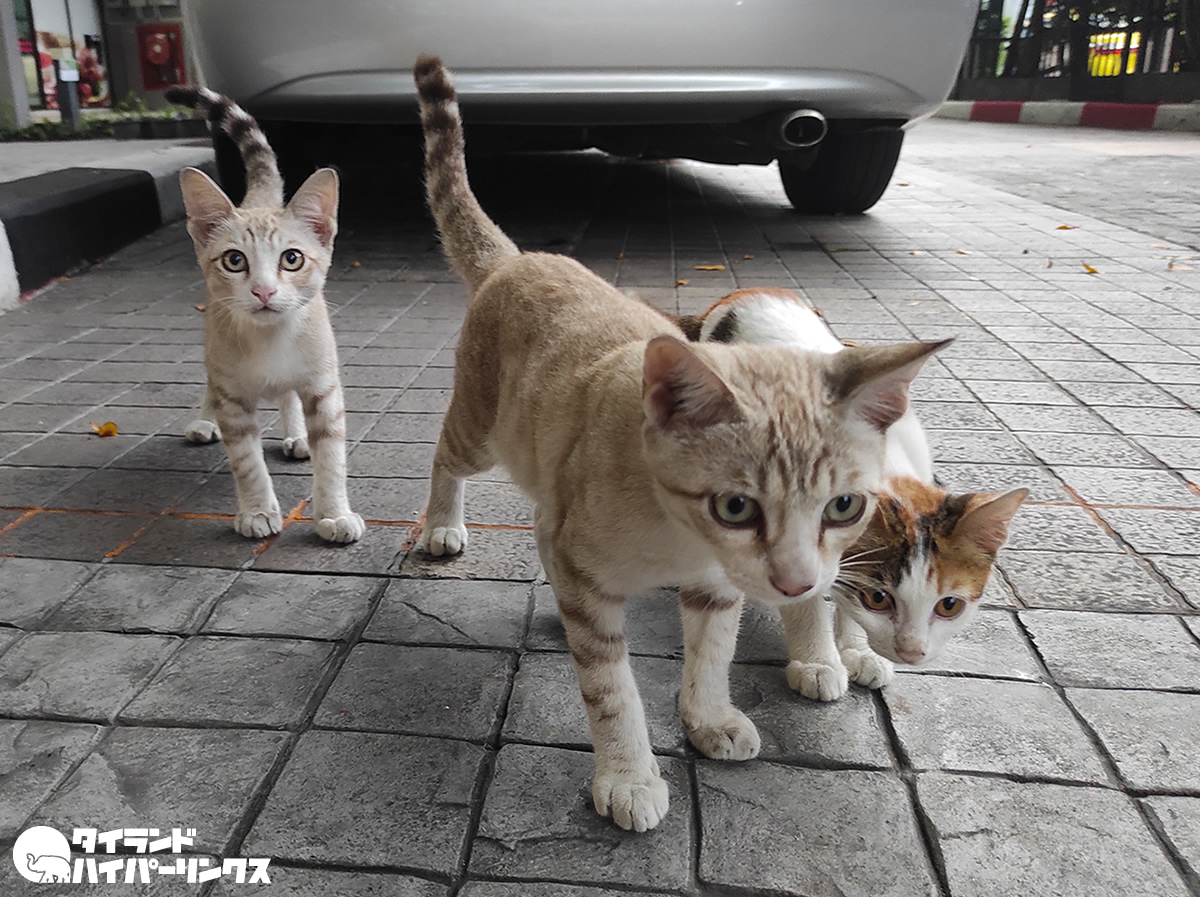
266 327
914 577
725 470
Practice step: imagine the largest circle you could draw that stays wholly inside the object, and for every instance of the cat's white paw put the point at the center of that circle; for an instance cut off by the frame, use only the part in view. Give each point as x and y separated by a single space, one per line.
440 541
818 681
868 668
347 528
634 802
734 739
295 447
202 431
258 524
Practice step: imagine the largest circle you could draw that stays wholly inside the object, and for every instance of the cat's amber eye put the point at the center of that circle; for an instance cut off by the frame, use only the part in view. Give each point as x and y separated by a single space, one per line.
845 509
291 260
877 600
950 607
234 261
735 509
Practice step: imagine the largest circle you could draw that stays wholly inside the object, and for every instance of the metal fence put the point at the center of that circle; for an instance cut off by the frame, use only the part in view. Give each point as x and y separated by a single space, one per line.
1135 50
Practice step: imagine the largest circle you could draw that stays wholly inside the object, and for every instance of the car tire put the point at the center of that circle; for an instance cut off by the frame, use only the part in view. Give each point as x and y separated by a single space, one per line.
848 176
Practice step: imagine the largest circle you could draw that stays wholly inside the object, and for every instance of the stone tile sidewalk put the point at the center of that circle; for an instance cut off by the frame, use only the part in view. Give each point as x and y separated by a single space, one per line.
377 723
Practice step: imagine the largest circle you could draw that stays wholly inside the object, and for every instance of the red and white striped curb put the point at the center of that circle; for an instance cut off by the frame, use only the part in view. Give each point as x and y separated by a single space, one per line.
1128 116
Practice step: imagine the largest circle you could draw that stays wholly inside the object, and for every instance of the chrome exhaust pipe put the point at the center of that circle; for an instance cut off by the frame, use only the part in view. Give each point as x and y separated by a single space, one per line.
798 129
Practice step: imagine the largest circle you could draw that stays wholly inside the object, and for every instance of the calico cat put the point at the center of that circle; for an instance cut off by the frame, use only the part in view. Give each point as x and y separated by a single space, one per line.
913 579
266 326
724 470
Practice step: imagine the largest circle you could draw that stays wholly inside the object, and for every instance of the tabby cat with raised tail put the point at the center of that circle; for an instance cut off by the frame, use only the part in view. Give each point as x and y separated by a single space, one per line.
724 470
914 578
266 325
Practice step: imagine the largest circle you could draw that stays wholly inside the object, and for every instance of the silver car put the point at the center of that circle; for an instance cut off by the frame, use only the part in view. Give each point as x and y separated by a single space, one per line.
824 86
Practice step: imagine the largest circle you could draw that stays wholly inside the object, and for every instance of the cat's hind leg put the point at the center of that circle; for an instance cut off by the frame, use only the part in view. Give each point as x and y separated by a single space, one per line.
462 450
204 428
815 668
865 666
291 419
715 727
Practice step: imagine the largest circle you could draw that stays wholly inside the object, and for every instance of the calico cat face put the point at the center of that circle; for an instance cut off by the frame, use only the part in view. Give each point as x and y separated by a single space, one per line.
262 265
915 577
771 455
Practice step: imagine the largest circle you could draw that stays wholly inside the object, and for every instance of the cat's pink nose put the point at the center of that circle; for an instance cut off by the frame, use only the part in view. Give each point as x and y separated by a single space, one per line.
790 588
264 294
911 655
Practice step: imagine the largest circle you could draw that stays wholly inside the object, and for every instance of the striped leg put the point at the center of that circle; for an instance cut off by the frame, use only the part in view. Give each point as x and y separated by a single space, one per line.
291 417
204 428
258 509
716 728
325 415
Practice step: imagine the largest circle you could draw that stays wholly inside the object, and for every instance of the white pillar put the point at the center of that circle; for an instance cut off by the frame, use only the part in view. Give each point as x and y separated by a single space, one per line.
14 104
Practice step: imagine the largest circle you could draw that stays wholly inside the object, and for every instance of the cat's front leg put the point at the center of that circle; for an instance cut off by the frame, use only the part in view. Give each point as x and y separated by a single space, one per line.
715 727
628 785
325 415
204 428
866 667
295 433
815 668
258 509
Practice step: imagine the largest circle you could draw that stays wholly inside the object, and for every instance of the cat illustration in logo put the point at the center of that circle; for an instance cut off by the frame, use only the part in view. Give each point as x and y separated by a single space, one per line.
52 868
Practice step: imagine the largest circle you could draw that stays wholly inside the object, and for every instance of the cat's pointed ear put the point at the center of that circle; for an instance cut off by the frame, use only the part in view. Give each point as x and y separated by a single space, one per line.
986 525
316 203
873 380
206 204
680 390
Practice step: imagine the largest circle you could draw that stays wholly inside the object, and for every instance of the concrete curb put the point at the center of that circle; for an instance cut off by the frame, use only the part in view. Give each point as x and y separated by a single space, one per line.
1124 116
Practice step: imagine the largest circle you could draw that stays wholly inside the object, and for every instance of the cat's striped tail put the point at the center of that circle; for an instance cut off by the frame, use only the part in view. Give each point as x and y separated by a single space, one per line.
473 242
264 186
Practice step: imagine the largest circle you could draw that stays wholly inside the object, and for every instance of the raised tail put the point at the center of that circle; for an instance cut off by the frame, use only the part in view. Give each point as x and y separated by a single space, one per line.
264 186
472 241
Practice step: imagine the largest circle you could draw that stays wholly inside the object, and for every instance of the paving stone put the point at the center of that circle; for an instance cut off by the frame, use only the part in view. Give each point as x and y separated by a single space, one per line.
539 823
1172 451
319 607
33 588
275 681
292 882
141 491
74 450
420 691
387 801
547 708
72 536
1109 485
85 675
395 426
451 612
189 542
1052 419
857 830
298 549
1115 650
536 889
34 756
35 487
1183 573
1063 579
985 725
1053 839
1153 421
1097 450
991 645
388 498
1152 531
204 779
996 447
980 477
1151 735
490 554
214 493
143 599
1068 529
1179 818
1000 392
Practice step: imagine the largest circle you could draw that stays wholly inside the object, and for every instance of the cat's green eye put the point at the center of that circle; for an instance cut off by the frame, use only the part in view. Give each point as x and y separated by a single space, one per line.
845 509
950 607
877 600
735 509
234 261
291 260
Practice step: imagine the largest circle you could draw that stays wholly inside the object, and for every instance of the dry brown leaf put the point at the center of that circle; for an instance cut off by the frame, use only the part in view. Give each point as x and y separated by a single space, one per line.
962 252
1174 267
1066 227
902 184
1089 269
911 304
681 283
818 312
108 428
1160 246
747 256
709 267
356 264
915 252
200 307
1049 263
620 256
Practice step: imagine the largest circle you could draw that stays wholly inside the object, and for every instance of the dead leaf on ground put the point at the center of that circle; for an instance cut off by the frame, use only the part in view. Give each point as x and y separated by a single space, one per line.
1174 267
913 303
620 256
356 264
1049 263
1089 269
747 256
108 428
200 307
902 184
709 267
1067 227
962 252
681 283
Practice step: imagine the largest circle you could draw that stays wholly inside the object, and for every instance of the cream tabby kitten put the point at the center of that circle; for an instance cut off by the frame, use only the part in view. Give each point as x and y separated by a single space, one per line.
913 579
266 326
724 470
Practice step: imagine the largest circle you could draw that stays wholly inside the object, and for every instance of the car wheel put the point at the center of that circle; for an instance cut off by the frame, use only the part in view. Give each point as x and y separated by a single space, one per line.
850 173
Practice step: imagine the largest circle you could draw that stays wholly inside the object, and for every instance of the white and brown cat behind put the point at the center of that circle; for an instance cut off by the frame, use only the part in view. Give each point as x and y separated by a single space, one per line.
913 579
726 470
266 326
